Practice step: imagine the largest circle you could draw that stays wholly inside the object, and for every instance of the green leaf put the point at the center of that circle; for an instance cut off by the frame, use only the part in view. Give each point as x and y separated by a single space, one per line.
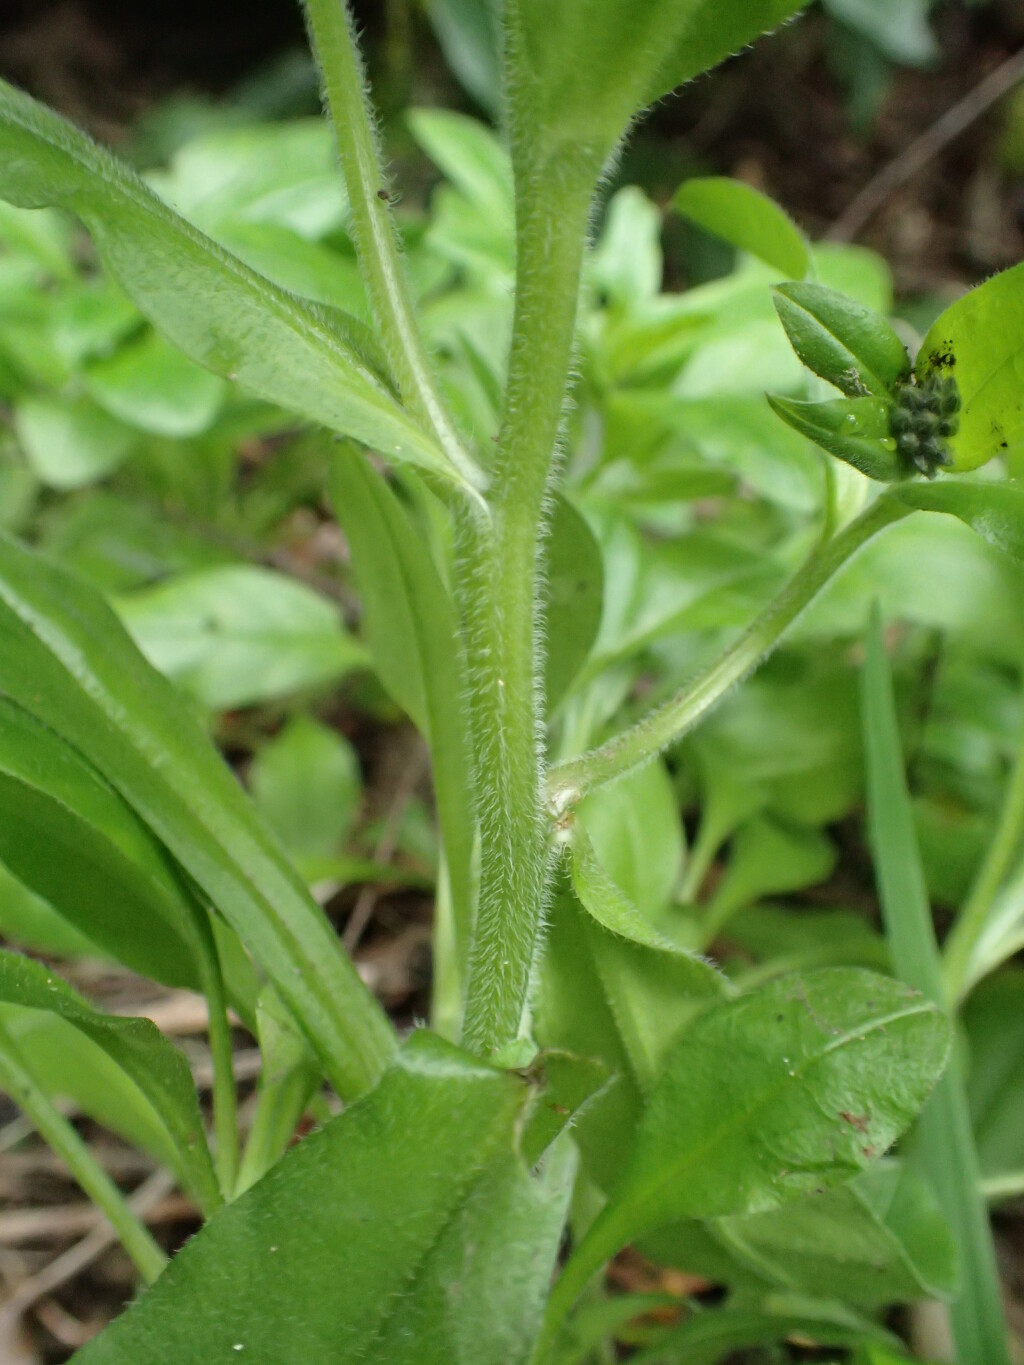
70 442
852 429
307 784
637 834
471 157
945 1142
218 311
792 1088
65 657
768 858
467 32
627 263
609 905
159 1070
606 997
877 1240
708 1337
238 634
150 385
72 839
460 1276
979 340
26 921
788 1089
575 590
411 630
66 1064
994 510
900 32
842 341
747 220
578 72
994 1020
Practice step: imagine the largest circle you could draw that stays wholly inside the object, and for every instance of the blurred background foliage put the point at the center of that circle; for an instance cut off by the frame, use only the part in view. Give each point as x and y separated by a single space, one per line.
201 512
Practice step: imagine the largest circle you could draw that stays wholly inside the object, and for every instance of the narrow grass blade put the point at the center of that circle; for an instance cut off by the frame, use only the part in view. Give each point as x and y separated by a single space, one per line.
944 1141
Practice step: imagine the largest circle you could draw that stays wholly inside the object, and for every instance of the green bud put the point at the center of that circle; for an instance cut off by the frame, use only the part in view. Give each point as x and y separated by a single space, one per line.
851 346
855 430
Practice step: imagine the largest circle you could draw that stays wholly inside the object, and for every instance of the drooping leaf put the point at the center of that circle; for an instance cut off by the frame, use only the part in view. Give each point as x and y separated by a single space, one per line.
138 1047
66 659
842 341
237 634
275 344
979 340
460 1276
72 839
746 219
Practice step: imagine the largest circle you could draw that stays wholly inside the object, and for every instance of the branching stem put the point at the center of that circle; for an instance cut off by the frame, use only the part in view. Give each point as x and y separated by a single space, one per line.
571 781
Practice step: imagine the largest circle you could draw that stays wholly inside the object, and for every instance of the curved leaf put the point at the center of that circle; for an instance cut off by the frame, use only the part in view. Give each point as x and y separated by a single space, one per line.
460 1276
66 658
217 310
746 219
72 839
138 1047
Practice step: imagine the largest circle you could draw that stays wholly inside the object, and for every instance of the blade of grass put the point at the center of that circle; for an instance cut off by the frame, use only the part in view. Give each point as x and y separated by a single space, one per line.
944 1140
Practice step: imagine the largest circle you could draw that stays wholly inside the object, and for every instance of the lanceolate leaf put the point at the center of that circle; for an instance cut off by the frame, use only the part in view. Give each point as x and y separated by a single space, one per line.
71 838
791 1088
432 1243
851 346
852 429
747 219
65 658
410 624
159 1071
221 313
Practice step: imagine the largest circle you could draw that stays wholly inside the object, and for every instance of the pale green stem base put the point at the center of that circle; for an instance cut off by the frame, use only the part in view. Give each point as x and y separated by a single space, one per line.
134 1236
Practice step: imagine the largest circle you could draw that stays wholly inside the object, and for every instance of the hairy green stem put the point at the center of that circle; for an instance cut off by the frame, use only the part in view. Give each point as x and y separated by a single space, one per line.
973 918
20 1084
332 37
571 781
499 576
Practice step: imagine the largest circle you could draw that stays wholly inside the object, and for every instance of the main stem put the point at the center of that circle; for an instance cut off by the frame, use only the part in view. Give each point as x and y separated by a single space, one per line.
500 572
571 781
332 37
